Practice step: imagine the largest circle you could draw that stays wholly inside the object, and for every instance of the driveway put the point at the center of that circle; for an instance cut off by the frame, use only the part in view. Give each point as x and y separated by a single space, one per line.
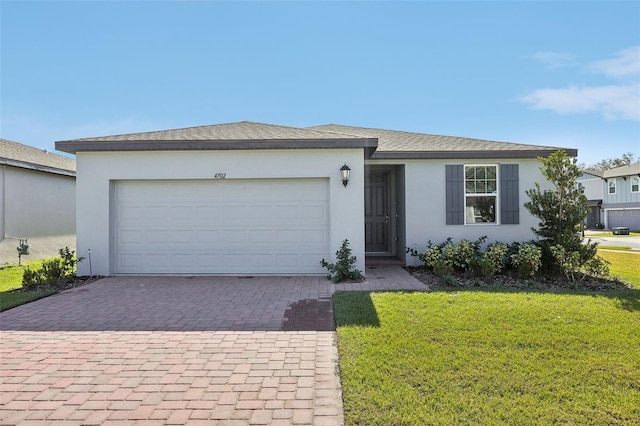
178 350
617 241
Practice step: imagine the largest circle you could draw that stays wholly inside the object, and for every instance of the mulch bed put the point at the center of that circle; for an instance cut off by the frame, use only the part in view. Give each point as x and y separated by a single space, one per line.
511 281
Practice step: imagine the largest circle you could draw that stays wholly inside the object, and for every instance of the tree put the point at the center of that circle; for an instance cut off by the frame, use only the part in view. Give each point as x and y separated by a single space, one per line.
612 163
561 211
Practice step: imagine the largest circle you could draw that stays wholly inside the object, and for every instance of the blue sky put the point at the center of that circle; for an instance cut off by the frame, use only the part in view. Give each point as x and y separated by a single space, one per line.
544 72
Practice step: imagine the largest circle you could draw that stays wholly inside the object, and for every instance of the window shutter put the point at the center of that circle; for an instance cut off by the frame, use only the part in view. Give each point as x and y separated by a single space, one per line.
509 195
455 194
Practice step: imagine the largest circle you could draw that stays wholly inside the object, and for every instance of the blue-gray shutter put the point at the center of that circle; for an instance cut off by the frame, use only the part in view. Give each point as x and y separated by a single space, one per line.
509 195
455 194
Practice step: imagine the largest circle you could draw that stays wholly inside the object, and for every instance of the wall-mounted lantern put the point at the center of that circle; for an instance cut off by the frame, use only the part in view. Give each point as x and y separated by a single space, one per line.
345 171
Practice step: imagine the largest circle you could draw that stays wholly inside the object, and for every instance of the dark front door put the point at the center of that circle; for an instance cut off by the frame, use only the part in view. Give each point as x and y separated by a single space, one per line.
376 212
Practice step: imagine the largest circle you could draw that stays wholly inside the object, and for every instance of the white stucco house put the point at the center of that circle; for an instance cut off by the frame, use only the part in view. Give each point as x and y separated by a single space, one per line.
613 196
37 201
251 198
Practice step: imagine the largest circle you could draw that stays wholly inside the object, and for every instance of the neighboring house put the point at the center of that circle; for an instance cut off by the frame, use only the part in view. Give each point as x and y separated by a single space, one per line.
250 198
618 194
591 182
37 201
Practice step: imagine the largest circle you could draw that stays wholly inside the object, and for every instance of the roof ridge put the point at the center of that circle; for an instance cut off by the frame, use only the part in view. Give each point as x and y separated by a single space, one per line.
440 136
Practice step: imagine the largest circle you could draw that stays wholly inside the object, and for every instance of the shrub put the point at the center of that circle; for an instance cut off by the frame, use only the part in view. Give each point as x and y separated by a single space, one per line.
462 254
599 225
53 272
580 263
344 268
491 261
527 259
32 279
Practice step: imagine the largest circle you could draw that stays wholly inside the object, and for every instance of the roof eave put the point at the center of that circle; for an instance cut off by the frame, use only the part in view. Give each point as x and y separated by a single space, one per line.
37 167
438 155
73 147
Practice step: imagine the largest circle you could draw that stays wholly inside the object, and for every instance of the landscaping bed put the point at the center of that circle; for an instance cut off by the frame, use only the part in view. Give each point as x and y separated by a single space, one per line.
512 281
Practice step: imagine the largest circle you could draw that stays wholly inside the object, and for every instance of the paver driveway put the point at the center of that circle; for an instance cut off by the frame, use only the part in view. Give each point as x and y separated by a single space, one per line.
177 350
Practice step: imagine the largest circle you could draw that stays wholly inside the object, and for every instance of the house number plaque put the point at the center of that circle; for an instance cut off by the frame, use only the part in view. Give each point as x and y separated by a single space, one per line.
220 176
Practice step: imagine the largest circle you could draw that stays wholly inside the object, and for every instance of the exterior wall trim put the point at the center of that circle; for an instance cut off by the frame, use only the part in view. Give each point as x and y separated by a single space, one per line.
37 167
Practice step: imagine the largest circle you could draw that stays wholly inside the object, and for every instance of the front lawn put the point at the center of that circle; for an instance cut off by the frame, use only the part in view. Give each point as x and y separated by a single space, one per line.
11 279
625 265
489 357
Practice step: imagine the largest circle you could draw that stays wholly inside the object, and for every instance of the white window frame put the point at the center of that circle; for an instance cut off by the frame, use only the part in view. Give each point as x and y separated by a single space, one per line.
495 194
635 179
614 186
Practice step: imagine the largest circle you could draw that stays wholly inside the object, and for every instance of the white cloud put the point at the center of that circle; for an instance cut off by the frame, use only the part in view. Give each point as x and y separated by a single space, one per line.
619 101
626 63
613 102
555 59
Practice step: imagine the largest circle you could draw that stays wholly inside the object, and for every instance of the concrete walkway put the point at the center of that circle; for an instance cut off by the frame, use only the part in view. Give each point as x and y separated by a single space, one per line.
179 350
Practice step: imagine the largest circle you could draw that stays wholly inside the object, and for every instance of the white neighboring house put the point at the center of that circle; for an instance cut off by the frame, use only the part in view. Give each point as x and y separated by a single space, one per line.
251 198
37 201
614 196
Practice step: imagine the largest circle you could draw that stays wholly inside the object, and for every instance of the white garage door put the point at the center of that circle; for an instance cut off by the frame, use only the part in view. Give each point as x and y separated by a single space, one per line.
629 218
265 226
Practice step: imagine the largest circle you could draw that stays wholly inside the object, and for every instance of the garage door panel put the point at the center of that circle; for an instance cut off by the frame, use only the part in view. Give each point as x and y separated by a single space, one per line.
629 218
253 226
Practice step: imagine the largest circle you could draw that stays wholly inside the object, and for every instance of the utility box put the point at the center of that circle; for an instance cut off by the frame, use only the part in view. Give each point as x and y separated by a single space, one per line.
23 248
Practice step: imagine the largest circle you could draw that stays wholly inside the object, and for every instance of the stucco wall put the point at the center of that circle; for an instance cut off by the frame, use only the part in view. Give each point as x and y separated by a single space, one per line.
38 204
426 212
96 171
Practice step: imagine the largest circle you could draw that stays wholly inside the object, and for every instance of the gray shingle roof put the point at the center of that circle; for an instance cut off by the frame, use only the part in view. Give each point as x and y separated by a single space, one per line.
240 131
398 144
241 135
27 157
250 135
630 170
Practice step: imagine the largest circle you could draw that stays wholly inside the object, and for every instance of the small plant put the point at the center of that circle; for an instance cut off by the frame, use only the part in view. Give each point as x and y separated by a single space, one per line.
597 267
461 254
491 261
599 225
575 264
53 272
442 268
527 259
344 269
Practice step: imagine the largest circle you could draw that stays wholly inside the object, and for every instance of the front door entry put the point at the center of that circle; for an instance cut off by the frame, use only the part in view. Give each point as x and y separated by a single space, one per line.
376 212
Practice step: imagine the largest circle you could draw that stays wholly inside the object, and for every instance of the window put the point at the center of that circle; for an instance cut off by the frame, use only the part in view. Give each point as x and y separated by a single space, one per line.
475 193
612 186
481 193
635 184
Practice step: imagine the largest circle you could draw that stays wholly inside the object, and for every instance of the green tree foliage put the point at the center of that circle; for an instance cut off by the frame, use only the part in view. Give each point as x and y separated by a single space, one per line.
612 163
561 211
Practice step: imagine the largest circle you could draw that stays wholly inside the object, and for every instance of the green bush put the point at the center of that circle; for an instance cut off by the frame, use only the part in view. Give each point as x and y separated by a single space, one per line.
53 272
527 259
579 264
344 269
491 261
462 254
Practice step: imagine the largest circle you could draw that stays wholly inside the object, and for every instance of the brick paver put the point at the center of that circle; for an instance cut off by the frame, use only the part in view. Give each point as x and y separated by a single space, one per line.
177 350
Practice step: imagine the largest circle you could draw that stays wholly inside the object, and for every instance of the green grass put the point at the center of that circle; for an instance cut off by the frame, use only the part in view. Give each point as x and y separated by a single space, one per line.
489 357
624 265
614 248
11 279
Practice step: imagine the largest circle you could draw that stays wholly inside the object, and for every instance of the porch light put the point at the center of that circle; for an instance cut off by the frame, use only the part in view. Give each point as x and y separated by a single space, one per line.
344 171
